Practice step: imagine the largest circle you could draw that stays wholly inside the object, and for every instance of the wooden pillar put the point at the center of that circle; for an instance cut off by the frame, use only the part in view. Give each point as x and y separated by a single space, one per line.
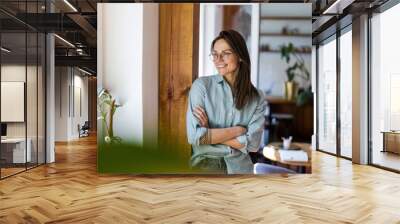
178 69
92 103
229 12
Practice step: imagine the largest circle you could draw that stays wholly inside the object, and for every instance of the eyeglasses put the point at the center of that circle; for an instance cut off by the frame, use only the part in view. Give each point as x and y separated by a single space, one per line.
214 56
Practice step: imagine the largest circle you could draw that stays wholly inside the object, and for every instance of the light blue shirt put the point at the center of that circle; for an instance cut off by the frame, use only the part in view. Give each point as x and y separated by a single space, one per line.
214 95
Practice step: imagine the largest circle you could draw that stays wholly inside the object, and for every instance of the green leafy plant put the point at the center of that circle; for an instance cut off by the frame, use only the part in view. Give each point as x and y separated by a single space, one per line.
304 97
297 69
107 108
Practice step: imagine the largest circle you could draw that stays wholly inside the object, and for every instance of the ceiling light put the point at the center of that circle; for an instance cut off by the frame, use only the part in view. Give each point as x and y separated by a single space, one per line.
79 51
337 7
5 50
65 41
70 5
84 71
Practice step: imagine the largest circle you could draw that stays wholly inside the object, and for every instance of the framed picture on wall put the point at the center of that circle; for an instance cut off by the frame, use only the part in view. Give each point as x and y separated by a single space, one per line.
12 101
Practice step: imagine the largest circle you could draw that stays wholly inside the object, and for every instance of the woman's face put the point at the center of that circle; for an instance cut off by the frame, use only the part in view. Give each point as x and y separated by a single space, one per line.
225 60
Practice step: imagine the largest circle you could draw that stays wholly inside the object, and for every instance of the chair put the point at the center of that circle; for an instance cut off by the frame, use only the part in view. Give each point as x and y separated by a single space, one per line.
263 168
84 130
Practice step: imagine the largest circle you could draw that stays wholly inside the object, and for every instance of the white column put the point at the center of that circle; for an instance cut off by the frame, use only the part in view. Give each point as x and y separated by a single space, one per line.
360 90
150 72
255 43
127 62
314 91
50 99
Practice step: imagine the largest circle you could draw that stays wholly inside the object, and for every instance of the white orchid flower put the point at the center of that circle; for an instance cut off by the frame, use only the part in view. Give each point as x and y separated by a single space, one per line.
107 139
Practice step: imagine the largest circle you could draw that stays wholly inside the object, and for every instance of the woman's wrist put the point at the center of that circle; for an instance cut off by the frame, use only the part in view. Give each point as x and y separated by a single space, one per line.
220 135
239 130
233 143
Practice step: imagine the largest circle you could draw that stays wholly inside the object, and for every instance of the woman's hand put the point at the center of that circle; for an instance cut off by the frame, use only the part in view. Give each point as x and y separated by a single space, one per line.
240 130
201 115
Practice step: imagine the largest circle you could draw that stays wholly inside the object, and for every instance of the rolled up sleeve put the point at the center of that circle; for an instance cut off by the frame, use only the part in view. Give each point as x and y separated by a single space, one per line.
196 98
252 138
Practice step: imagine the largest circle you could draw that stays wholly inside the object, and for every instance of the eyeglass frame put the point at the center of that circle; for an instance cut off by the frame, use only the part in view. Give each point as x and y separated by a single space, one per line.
222 55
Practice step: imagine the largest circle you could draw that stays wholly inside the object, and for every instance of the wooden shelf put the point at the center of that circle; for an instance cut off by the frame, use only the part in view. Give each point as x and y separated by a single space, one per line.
278 51
286 34
285 18
278 100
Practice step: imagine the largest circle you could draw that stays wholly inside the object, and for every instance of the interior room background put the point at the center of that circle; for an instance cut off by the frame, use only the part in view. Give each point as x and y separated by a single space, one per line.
177 37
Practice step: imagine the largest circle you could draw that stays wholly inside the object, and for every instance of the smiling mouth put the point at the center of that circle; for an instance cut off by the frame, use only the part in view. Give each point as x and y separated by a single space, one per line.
221 66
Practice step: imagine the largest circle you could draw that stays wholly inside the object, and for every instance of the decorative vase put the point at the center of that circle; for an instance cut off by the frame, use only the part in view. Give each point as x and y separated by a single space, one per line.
290 90
286 142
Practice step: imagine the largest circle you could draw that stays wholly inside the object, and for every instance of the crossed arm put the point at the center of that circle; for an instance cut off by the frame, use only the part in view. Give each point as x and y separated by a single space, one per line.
226 136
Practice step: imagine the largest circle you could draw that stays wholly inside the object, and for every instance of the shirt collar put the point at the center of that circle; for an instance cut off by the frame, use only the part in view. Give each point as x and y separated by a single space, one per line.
219 78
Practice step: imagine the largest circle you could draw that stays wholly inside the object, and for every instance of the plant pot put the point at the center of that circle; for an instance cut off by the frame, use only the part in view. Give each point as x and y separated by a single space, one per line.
290 90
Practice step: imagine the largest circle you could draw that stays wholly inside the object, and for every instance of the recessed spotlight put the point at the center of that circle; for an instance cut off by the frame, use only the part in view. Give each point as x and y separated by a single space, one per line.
64 40
5 50
337 7
84 71
70 5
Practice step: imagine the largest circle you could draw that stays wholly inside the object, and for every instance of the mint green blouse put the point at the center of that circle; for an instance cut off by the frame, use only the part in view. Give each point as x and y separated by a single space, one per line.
214 95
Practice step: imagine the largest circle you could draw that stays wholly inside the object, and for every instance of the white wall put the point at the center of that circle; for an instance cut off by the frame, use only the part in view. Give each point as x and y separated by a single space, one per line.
61 114
211 24
127 45
67 115
80 109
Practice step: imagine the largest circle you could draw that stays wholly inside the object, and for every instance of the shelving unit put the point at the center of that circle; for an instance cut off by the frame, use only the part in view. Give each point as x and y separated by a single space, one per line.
286 34
278 51
276 30
285 18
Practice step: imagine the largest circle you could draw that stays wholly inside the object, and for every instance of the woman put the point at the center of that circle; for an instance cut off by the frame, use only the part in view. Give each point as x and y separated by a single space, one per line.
225 116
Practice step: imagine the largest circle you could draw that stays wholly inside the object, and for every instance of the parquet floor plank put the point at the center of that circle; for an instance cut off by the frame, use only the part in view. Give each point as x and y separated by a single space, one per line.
71 191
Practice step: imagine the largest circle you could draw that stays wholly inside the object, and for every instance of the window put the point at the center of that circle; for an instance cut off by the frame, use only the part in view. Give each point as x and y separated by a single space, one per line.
385 89
327 96
346 93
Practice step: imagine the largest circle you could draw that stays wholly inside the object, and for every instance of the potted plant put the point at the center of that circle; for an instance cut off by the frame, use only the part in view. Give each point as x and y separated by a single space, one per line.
107 108
298 69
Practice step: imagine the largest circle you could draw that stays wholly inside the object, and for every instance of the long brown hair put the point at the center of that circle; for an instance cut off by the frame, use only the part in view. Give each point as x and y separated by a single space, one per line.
243 89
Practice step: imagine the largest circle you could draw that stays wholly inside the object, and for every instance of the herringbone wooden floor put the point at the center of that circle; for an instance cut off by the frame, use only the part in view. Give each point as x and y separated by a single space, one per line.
70 191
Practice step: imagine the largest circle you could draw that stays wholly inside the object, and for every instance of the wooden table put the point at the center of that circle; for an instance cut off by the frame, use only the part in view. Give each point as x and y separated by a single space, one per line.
391 141
271 152
14 152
